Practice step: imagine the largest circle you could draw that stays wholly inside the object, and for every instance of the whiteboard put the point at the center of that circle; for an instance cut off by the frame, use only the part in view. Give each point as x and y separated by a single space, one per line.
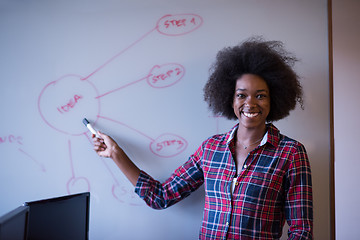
136 69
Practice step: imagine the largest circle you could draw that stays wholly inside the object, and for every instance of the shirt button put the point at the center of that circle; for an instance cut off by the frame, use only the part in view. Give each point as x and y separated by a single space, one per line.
236 183
227 223
245 166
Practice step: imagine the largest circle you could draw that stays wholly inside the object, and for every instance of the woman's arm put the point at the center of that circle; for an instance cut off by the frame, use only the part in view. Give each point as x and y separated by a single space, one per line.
299 205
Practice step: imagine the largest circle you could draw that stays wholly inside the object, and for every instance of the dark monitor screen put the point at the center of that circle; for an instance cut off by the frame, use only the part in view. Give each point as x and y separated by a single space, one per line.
13 225
64 217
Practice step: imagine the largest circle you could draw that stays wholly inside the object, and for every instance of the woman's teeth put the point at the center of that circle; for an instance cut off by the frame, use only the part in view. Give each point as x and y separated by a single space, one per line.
250 115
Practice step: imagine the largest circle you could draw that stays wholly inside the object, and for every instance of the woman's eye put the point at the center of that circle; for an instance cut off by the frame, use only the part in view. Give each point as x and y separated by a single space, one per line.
260 96
240 95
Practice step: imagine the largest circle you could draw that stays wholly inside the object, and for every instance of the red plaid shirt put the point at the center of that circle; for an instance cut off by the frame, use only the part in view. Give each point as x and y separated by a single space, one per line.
274 185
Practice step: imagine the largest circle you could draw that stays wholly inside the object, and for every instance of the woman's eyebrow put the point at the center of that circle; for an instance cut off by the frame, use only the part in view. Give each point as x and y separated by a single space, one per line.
244 89
240 89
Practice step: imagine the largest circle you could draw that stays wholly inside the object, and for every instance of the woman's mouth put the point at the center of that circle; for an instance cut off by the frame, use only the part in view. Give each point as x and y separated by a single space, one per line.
250 115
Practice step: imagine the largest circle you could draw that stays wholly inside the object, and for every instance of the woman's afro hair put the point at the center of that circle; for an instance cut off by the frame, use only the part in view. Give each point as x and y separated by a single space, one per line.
266 59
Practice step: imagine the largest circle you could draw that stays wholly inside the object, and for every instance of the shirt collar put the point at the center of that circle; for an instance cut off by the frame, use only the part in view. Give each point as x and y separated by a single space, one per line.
232 133
271 135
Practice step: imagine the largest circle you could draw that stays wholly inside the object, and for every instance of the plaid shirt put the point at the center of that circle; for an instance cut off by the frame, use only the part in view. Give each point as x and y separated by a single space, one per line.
274 185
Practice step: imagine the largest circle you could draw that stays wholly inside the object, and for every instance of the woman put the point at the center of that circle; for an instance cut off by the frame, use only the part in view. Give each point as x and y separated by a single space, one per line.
255 178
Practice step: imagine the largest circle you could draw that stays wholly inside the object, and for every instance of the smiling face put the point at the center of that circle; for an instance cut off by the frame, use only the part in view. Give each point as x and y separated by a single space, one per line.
251 101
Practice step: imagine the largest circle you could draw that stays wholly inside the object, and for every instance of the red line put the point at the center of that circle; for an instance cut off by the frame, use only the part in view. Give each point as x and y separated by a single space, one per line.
126 85
32 158
104 162
112 120
71 160
117 55
28 156
88 138
111 173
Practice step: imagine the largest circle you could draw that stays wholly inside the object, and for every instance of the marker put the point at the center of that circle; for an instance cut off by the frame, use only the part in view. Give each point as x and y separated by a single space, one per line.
88 125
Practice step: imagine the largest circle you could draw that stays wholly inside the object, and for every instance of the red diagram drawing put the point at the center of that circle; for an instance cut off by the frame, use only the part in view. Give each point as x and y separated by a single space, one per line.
67 99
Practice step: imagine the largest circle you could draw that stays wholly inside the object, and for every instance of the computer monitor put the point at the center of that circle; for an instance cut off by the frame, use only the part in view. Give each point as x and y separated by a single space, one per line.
65 217
13 225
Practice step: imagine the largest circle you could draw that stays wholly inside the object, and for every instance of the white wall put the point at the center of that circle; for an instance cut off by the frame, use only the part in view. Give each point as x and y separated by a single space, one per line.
43 41
346 60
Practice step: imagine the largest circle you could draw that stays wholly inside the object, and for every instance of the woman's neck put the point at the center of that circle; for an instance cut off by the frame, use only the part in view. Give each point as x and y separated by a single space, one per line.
249 136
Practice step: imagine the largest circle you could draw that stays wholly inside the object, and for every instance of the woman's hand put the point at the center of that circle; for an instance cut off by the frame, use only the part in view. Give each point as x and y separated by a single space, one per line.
105 146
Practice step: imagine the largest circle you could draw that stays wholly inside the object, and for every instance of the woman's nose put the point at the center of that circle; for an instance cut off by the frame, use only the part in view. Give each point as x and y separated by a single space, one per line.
250 102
